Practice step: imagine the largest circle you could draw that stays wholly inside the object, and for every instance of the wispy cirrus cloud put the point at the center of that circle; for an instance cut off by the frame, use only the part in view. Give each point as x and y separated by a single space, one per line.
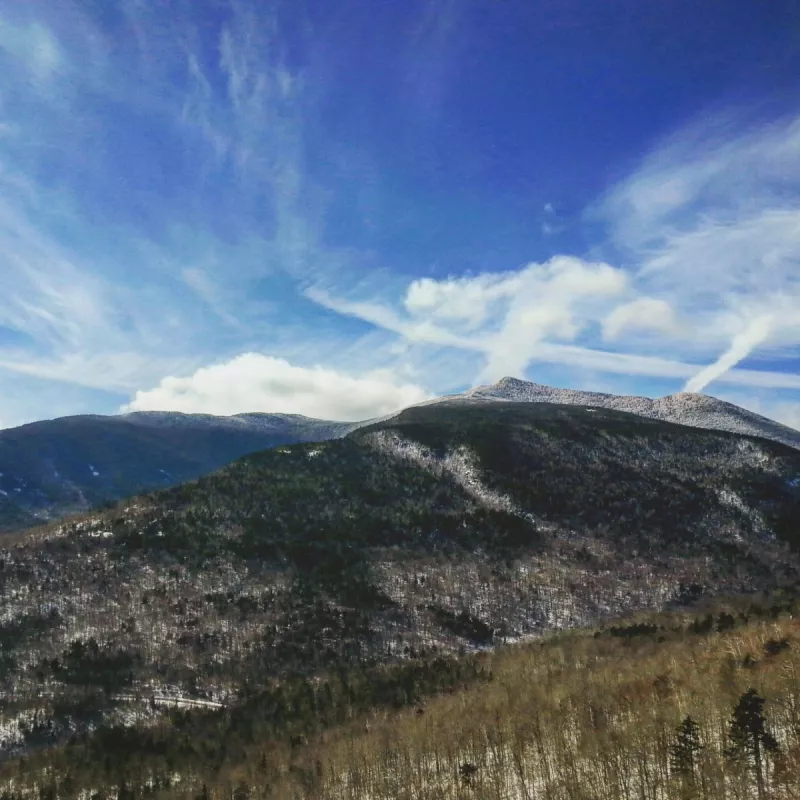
579 357
712 221
31 47
109 280
707 233
167 192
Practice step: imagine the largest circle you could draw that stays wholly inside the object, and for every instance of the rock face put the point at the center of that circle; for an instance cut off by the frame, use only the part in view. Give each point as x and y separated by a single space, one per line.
70 464
684 408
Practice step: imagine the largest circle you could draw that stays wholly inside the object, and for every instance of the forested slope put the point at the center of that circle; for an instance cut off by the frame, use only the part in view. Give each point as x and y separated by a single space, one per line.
448 528
67 465
704 704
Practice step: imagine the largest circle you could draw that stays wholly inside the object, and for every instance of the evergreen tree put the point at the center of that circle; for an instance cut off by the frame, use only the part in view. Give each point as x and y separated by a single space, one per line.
685 753
468 772
748 739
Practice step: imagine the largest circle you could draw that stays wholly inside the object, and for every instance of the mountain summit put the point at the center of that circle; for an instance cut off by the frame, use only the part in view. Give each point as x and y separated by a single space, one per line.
683 408
60 466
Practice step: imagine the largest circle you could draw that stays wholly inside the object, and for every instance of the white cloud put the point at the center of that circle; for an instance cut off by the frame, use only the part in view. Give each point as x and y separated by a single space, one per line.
116 371
33 46
506 316
756 333
485 342
118 317
585 358
463 300
201 283
712 221
709 228
47 296
555 300
253 382
72 323
386 318
718 162
645 314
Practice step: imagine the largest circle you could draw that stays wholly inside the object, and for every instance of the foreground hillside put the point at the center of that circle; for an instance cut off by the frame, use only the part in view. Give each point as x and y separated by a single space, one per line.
450 527
67 465
683 705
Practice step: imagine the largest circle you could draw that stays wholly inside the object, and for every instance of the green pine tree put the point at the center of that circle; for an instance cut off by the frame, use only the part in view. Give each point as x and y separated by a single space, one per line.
749 741
685 753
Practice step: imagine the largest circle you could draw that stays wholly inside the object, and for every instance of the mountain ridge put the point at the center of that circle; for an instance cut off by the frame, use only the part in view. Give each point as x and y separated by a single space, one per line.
453 525
67 465
685 408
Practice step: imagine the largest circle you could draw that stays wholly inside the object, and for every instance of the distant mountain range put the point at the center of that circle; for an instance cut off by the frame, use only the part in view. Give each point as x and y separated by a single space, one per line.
71 464
56 467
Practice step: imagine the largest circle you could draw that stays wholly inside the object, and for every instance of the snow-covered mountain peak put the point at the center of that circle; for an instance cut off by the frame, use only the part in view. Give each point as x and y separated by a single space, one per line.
684 408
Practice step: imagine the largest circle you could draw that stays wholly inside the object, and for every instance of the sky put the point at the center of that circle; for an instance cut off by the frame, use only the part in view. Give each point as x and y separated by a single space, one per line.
341 209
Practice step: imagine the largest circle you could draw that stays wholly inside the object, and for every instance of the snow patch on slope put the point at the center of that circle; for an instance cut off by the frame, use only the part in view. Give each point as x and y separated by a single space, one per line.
458 464
733 500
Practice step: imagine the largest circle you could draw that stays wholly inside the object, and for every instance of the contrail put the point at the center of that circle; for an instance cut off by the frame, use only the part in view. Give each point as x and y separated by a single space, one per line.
742 345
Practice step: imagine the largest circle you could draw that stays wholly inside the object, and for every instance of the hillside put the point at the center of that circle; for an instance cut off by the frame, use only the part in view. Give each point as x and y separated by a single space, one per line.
67 465
684 408
452 526
57 467
650 708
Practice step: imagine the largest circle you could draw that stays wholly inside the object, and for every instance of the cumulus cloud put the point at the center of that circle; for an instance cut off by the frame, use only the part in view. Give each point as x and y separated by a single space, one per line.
547 292
645 314
708 227
253 382
555 300
462 300
94 289
506 316
538 313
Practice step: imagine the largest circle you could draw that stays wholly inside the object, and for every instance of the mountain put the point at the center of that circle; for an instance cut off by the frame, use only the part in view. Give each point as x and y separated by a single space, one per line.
684 408
52 468
457 525
70 464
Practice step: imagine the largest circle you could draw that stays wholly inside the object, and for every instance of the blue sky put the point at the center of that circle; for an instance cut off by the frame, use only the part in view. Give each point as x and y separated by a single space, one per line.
342 208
